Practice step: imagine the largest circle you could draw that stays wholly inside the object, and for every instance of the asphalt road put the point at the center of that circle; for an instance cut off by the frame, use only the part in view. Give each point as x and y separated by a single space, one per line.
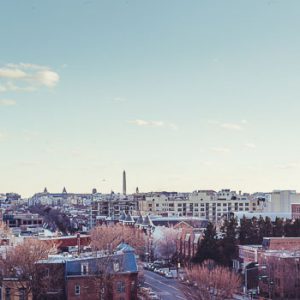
166 289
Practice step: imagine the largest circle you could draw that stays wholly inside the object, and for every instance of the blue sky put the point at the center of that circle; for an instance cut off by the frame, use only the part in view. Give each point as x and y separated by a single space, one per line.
183 95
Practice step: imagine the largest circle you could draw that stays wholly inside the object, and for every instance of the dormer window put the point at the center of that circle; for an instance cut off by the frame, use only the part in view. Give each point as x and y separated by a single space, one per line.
84 268
116 267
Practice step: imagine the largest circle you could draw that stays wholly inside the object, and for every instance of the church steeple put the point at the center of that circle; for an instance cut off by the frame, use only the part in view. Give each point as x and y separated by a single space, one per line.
64 191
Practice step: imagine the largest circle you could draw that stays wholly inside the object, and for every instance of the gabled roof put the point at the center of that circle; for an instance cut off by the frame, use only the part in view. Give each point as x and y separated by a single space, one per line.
129 218
122 216
140 220
147 221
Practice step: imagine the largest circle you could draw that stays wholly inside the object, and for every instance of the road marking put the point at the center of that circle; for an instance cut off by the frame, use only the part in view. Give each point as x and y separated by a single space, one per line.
170 286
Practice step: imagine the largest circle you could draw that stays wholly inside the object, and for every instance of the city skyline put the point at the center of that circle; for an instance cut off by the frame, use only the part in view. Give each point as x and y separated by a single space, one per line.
183 96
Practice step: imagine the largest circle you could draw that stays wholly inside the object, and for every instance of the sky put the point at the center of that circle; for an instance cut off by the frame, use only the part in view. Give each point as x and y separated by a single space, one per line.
183 95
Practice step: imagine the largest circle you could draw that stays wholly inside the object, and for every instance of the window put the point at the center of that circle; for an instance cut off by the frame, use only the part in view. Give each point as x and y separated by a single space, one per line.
7 294
116 267
77 289
84 268
46 272
120 286
22 294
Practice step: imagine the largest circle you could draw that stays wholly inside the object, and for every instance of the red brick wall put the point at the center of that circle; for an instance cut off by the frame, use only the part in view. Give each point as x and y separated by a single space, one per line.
286 243
90 291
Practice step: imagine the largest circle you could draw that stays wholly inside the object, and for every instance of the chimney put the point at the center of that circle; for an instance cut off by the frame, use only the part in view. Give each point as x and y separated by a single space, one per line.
78 242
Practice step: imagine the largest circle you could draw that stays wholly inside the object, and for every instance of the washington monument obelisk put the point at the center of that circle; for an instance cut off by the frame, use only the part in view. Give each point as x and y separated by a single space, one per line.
124 182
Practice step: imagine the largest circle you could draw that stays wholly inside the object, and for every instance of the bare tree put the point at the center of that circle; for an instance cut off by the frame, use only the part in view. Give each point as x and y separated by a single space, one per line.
21 264
164 241
108 237
105 238
207 282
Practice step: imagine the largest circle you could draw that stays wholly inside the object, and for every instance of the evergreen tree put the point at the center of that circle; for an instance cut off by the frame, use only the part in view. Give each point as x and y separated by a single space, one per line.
278 229
249 231
228 245
208 248
265 227
296 226
289 229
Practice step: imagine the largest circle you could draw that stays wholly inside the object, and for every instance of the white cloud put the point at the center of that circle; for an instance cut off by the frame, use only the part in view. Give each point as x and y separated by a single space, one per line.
119 99
7 102
232 126
157 123
237 126
140 122
27 77
11 87
250 145
47 78
220 149
12 73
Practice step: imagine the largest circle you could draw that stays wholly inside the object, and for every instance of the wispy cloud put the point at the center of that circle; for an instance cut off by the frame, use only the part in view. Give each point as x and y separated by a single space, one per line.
250 145
119 99
145 123
26 77
220 149
12 73
28 163
291 165
7 102
232 126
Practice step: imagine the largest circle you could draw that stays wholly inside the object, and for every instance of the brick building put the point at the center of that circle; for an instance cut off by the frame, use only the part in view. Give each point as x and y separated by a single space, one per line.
94 276
295 210
276 265
188 239
281 277
62 243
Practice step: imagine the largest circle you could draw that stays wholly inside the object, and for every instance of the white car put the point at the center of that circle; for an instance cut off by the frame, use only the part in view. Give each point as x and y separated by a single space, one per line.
153 296
168 275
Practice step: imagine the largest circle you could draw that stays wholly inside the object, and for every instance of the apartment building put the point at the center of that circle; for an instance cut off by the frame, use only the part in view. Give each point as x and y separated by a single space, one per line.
205 204
279 201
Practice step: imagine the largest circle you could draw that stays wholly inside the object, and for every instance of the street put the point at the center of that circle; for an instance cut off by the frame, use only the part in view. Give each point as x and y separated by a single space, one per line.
166 289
